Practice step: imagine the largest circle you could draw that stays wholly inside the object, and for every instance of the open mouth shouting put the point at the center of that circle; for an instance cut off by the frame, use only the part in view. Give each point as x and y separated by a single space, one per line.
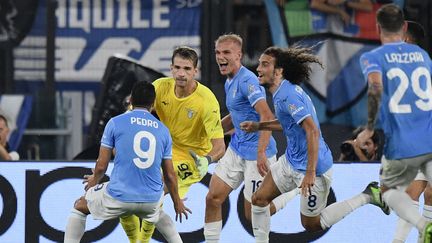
223 67
260 76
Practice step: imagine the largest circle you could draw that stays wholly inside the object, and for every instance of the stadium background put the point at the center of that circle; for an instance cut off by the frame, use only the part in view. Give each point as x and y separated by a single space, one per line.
59 84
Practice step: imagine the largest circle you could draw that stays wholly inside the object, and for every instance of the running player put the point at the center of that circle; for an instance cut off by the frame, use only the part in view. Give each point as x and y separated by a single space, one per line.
399 77
307 162
249 154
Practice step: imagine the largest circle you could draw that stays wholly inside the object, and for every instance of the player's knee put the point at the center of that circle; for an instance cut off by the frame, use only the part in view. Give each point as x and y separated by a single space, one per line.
213 200
248 215
81 205
311 224
259 201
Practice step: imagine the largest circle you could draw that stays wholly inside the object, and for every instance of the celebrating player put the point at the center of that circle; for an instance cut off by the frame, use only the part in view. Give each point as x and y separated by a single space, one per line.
399 77
249 154
307 162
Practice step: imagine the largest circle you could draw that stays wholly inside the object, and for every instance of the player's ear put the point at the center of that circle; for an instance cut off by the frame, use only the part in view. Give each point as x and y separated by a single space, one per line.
279 72
405 27
378 29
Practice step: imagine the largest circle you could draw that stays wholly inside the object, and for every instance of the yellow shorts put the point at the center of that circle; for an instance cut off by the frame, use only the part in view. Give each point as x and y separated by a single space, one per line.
187 174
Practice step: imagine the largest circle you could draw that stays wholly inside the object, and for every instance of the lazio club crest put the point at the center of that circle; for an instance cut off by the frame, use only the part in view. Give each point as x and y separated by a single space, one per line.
190 113
292 107
251 88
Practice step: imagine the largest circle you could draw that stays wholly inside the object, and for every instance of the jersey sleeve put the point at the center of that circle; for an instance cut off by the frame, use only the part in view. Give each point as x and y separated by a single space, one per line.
108 135
252 90
296 106
167 150
369 64
212 119
157 85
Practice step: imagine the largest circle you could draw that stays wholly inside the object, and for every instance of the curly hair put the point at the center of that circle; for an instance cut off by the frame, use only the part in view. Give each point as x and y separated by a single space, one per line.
294 61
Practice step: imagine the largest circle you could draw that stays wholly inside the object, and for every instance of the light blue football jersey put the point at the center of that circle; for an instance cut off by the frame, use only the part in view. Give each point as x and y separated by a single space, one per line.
242 93
292 106
141 142
406 104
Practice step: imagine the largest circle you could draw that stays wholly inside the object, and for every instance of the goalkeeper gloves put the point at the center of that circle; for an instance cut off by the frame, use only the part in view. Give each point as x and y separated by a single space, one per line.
201 162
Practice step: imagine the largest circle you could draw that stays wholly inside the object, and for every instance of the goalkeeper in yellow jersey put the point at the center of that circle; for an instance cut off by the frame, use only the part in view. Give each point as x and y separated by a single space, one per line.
192 114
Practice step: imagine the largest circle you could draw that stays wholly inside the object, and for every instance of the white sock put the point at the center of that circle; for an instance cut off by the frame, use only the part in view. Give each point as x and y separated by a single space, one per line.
75 227
212 231
401 204
167 228
261 223
282 200
427 212
403 228
337 211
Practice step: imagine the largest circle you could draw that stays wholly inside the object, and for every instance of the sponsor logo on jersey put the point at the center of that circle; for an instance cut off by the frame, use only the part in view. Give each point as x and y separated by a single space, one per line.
294 109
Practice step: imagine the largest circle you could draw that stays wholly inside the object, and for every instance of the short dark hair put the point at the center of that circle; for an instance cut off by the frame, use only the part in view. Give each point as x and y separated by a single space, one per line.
143 94
415 31
185 52
294 61
390 18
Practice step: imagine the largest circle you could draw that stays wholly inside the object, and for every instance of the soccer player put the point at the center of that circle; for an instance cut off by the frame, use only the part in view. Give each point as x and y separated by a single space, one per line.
143 146
414 34
249 154
192 114
307 162
399 77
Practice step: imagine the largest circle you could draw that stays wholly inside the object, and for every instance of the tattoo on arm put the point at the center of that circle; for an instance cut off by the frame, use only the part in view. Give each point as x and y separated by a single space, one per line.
374 101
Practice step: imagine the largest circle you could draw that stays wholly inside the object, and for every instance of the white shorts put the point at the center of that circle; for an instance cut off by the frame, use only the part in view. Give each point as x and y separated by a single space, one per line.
233 170
400 172
102 206
287 179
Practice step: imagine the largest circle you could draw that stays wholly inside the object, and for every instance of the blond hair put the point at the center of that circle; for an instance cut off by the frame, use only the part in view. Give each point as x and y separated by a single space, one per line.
230 37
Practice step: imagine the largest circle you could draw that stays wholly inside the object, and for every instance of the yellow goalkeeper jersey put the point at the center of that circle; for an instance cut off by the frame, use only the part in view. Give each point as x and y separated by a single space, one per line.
192 120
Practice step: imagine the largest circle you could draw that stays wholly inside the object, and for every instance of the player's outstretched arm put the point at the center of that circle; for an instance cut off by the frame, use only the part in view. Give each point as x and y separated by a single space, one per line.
227 124
171 183
250 126
218 149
